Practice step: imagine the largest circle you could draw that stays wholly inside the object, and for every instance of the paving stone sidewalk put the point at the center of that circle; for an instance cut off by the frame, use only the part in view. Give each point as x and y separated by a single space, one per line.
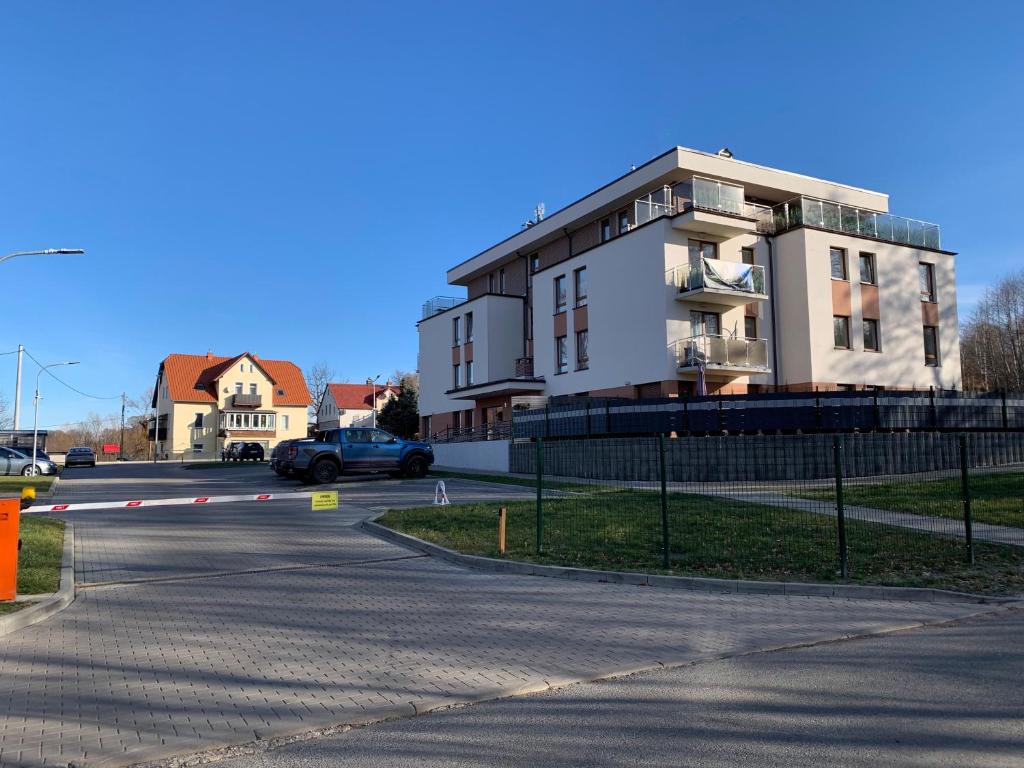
262 620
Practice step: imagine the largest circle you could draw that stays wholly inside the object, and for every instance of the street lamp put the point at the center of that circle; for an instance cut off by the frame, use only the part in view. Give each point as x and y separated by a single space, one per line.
44 252
373 382
35 420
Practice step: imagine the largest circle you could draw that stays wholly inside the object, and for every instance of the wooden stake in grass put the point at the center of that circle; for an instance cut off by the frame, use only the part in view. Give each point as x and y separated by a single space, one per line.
502 514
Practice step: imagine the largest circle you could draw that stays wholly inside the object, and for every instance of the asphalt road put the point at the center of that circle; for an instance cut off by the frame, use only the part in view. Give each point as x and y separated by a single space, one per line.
941 696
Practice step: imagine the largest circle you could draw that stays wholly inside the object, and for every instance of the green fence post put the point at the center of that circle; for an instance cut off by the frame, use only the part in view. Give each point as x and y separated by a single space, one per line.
664 502
837 453
540 493
965 487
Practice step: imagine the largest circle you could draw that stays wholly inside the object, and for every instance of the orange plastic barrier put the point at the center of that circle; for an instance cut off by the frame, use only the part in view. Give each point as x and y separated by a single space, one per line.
10 514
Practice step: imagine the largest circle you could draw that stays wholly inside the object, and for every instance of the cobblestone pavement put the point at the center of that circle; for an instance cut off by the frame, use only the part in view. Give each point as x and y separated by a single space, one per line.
245 621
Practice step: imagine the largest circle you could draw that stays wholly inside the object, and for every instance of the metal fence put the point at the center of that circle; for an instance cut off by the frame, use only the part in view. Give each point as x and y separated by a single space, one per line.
958 526
769 412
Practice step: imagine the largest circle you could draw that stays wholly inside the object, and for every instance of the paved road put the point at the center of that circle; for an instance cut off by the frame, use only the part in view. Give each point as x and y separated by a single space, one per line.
948 696
202 627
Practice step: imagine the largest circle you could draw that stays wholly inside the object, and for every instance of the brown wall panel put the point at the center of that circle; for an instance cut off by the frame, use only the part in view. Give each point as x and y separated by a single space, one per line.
561 324
456 355
929 313
468 351
869 302
579 319
841 303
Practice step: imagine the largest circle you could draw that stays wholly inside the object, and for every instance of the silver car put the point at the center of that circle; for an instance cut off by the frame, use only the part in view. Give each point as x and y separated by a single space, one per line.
80 457
13 461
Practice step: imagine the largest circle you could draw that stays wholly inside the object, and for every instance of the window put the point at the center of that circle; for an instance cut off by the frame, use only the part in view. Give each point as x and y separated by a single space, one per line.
285 419
469 420
705 324
623 223
582 356
380 436
535 263
867 268
501 280
356 436
750 327
456 336
241 367
871 336
841 331
455 376
926 274
700 249
199 421
197 447
238 387
469 327
931 345
838 258
252 368
490 283
469 372
606 230
252 389
560 294
747 255
579 278
561 355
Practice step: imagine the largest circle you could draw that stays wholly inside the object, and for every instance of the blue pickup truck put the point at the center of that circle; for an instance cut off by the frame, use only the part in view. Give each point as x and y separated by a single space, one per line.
322 458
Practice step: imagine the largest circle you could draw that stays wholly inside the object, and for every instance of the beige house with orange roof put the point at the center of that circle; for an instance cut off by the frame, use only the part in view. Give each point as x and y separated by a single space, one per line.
352 405
204 403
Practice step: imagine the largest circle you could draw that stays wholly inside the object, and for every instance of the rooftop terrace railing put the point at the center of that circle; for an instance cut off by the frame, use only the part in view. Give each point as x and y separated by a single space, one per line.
439 304
848 219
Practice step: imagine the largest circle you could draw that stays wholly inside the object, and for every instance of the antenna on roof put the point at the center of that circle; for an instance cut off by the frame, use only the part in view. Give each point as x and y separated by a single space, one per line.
724 152
538 217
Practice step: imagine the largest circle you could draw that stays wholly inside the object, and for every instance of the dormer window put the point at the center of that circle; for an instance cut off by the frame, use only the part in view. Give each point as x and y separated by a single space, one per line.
200 386
280 393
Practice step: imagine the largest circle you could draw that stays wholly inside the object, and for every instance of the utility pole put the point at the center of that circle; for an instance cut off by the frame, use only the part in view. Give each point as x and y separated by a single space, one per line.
17 389
120 449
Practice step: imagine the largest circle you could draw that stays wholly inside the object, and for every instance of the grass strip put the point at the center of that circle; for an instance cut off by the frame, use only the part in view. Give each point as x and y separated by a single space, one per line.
42 552
12 485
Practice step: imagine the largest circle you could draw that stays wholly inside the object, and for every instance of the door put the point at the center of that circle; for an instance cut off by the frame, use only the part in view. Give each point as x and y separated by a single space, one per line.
386 451
5 461
355 448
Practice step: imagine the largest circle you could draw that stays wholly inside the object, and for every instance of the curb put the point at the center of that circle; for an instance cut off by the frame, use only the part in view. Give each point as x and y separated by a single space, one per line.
54 604
693 583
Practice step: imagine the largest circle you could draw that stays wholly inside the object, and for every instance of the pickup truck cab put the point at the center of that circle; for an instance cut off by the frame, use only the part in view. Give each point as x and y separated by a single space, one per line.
322 458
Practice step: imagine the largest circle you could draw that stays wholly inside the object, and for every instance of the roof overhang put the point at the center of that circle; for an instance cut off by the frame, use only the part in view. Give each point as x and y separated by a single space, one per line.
493 388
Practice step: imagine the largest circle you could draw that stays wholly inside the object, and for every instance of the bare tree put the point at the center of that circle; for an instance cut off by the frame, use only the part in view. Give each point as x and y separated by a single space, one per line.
411 379
992 339
317 379
5 419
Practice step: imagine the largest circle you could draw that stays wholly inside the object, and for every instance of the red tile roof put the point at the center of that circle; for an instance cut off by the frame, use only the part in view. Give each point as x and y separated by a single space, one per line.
183 373
357 397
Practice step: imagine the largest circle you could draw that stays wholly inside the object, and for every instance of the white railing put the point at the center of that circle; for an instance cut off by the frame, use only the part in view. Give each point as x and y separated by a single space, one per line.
719 275
653 205
718 350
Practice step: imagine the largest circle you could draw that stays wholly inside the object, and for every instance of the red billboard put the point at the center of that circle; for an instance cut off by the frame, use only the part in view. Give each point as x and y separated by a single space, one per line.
111 448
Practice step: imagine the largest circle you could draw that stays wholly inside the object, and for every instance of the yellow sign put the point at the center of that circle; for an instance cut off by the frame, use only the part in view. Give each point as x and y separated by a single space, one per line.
325 500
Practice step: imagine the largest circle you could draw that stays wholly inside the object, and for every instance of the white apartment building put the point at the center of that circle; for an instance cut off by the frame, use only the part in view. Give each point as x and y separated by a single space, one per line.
694 273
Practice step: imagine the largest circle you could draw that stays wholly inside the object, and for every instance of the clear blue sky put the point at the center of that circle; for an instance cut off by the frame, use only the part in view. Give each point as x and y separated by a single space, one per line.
294 179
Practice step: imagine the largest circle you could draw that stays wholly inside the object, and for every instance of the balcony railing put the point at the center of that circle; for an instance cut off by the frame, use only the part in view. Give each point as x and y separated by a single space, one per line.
247 401
715 350
524 367
439 304
848 219
710 195
654 204
718 275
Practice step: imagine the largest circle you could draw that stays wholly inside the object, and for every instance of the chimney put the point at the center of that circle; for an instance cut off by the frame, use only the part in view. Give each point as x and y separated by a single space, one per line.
255 357
209 354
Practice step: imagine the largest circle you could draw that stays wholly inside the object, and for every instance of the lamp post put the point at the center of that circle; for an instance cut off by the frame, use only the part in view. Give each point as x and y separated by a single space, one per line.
373 383
35 420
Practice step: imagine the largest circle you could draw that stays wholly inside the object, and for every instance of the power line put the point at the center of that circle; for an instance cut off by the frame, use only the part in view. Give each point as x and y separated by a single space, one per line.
73 389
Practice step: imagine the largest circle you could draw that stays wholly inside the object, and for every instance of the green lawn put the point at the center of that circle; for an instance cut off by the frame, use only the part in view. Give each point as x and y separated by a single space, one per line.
714 537
996 498
11 485
529 482
42 550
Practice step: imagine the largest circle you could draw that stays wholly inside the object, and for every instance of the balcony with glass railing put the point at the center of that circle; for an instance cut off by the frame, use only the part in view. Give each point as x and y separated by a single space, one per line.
717 353
439 304
848 219
720 282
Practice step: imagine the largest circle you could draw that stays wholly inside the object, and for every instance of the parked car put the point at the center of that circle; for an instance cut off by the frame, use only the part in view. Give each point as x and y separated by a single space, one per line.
14 462
277 457
247 451
322 458
80 457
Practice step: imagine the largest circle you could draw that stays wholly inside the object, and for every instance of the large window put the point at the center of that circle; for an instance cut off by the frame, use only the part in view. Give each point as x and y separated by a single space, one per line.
199 421
580 283
456 376
456 332
931 345
469 327
582 355
871 342
841 331
701 249
926 276
560 294
258 421
750 327
501 280
623 223
747 255
705 323
606 230
252 389
238 387
561 355
867 268
838 258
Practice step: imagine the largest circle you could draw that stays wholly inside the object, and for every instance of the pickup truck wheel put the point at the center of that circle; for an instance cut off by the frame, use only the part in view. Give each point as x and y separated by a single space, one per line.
324 471
415 466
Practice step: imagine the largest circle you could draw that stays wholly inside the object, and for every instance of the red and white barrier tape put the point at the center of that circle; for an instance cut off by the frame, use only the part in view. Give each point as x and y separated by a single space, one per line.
74 507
